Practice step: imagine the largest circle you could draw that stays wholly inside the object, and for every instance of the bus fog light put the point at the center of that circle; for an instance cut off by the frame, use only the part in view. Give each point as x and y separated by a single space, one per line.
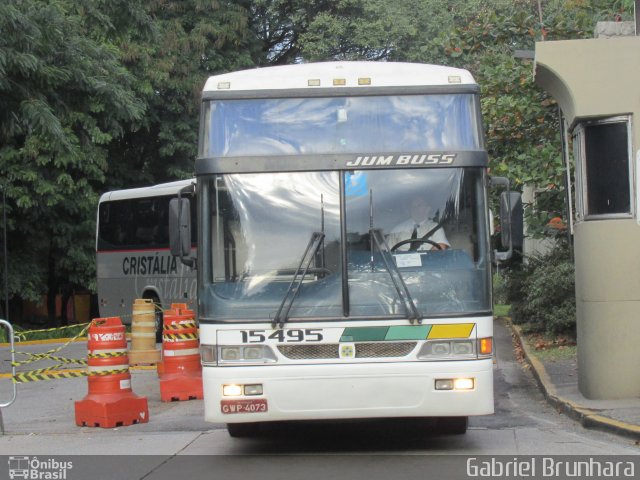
232 390
463 384
208 354
253 389
230 353
444 384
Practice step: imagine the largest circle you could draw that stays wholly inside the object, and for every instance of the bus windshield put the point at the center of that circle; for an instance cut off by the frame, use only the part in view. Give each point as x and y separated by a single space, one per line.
339 125
257 227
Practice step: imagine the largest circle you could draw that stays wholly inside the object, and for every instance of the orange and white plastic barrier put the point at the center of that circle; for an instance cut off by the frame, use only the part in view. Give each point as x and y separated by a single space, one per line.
143 334
180 371
110 401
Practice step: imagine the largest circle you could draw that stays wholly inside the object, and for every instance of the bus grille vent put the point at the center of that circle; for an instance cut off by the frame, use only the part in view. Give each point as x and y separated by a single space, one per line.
309 352
363 350
384 349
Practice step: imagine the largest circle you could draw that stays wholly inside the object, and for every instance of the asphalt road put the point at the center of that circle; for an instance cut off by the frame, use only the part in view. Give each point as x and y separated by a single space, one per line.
176 441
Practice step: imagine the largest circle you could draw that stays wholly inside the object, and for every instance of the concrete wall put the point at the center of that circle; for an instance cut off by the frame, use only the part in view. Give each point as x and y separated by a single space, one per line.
591 78
608 308
594 79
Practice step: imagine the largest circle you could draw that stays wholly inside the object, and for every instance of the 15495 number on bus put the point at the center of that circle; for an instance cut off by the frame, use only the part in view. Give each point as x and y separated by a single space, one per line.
282 336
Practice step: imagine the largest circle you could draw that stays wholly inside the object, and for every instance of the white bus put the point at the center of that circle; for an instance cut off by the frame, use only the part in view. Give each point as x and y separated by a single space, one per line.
132 252
311 302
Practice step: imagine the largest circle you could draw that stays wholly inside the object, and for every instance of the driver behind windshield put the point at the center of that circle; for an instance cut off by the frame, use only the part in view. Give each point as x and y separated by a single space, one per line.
417 228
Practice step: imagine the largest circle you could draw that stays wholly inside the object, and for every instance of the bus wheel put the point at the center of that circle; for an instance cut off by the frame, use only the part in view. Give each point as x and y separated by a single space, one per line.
452 425
243 430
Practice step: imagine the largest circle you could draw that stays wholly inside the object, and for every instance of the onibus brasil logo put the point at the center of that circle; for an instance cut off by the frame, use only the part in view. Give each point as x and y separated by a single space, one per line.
38 469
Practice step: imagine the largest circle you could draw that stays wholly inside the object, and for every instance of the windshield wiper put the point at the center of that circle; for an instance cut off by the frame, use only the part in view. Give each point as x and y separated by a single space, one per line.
300 273
396 277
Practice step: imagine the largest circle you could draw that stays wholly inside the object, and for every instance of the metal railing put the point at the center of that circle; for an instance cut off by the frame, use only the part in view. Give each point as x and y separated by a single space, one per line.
9 329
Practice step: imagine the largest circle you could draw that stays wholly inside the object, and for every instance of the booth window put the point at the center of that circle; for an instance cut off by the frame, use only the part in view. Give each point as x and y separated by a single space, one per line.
605 166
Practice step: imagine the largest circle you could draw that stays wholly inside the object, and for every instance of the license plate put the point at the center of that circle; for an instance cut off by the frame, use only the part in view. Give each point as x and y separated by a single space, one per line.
253 405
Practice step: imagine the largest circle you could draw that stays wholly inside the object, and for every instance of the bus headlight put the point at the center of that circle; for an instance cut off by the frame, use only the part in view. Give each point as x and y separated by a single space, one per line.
441 348
448 350
208 354
253 353
229 354
462 348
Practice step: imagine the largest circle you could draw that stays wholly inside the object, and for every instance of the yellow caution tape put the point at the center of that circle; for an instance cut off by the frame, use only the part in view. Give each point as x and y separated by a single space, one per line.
46 355
22 333
42 356
101 373
107 355
54 368
180 326
39 375
180 336
52 374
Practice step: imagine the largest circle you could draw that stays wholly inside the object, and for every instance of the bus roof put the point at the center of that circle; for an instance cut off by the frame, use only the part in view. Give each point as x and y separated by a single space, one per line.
152 191
339 74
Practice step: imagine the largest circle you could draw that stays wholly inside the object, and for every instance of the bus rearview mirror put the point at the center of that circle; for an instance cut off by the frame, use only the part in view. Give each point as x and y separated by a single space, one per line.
511 227
511 214
180 228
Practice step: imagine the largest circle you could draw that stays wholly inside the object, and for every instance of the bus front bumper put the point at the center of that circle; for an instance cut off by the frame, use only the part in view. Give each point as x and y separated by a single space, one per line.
325 392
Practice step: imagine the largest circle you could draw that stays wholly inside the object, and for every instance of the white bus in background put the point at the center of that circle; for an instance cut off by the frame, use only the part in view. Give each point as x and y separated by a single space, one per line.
132 251
306 311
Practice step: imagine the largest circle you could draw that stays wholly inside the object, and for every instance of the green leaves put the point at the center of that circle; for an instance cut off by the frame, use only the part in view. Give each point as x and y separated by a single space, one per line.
64 95
104 94
521 121
542 293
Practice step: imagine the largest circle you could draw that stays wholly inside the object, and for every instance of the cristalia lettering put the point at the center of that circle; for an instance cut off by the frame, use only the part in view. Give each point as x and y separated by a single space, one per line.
149 265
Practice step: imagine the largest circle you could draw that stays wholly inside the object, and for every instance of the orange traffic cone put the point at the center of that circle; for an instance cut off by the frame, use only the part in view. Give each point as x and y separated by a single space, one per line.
110 401
180 370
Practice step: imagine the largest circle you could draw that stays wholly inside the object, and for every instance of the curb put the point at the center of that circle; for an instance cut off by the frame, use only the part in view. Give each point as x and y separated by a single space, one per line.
587 417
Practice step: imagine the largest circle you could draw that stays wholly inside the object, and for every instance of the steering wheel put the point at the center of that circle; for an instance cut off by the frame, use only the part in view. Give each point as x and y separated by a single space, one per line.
417 240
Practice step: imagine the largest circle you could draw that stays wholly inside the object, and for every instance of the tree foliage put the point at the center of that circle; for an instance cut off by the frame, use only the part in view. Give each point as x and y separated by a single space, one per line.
192 40
96 95
103 94
542 293
64 95
521 120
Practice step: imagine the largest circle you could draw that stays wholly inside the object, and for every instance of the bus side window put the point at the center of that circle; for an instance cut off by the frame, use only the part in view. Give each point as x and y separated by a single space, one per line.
161 236
113 224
